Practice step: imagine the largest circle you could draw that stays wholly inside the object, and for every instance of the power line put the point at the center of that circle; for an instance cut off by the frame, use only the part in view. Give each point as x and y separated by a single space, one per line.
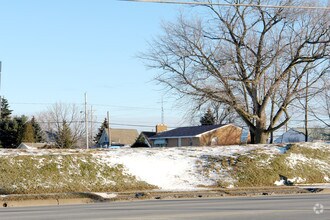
229 5
98 122
100 105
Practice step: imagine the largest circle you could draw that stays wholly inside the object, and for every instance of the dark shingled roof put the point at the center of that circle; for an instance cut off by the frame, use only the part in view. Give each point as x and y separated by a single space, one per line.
148 134
186 131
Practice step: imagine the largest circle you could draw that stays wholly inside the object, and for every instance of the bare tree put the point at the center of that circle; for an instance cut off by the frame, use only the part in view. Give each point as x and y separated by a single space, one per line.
223 114
321 104
250 59
59 115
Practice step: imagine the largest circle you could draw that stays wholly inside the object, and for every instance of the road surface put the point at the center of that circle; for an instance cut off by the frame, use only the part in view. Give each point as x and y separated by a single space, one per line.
311 206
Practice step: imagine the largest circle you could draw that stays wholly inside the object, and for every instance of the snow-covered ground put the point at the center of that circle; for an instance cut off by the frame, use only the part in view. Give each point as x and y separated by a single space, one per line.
174 168
178 168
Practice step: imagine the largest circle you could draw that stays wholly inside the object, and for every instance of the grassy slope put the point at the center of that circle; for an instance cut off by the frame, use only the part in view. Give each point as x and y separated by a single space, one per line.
261 169
63 173
81 172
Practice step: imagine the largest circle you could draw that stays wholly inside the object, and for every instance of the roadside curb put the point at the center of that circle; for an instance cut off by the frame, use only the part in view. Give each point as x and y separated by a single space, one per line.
87 197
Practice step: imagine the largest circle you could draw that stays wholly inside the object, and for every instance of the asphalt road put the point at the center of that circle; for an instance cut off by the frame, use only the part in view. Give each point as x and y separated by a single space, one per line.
312 206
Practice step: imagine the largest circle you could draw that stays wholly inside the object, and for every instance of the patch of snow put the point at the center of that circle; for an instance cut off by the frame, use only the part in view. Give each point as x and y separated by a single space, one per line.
297 180
294 159
316 145
279 182
106 195
282 150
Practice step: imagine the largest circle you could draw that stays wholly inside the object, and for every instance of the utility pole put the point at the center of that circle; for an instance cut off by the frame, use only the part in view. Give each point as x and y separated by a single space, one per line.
86 122
0 93
306 108
109 131
91 124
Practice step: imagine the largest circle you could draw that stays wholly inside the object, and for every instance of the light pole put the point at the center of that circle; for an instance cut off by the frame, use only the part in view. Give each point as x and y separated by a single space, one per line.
86 121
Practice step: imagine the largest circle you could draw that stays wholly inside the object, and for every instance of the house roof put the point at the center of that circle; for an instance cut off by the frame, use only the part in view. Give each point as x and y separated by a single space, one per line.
25 145
186 131
123 136
148 134
315 133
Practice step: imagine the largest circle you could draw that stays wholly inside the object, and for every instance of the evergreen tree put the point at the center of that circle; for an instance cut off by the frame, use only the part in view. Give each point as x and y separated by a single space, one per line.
208 118
105 125
11 130
28 134
20 127
64 137
38 135
6 125
8 131
5 111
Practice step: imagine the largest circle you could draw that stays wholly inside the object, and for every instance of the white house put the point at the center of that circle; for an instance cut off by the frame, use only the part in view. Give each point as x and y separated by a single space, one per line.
298 135
291 136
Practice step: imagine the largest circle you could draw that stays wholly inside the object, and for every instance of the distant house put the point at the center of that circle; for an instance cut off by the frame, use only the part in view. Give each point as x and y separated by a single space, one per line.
143 139
291 136
25 145
118 137
298 135
208 135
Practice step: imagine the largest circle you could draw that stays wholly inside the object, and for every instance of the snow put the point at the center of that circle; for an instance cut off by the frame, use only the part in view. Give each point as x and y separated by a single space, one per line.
316 145
297 180
174 168
179 168
279 182
295 159
106 195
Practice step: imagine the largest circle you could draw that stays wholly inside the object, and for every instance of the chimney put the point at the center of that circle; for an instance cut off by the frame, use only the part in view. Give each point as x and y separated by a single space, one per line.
161 128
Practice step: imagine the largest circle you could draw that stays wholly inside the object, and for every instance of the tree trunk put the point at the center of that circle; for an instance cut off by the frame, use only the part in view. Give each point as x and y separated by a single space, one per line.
261 137
252 136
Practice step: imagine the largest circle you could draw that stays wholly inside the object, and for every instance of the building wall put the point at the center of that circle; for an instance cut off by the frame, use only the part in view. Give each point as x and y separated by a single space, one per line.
227 135
175 142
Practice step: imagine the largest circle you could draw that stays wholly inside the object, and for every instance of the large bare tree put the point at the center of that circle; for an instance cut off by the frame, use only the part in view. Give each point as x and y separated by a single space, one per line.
252 59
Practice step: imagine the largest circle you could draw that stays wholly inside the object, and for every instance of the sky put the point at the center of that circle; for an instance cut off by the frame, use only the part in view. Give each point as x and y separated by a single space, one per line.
58 50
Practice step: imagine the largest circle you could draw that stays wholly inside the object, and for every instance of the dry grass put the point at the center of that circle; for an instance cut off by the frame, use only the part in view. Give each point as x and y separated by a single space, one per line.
260 169
63 173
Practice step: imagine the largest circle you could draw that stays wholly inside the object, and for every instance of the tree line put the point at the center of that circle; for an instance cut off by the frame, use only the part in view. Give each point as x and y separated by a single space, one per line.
17 129
60 126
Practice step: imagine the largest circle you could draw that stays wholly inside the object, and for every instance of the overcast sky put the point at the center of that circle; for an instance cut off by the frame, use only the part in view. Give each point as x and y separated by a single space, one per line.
56 50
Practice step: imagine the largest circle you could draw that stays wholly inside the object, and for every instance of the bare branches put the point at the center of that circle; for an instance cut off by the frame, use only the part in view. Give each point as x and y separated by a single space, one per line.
60 114
244 58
